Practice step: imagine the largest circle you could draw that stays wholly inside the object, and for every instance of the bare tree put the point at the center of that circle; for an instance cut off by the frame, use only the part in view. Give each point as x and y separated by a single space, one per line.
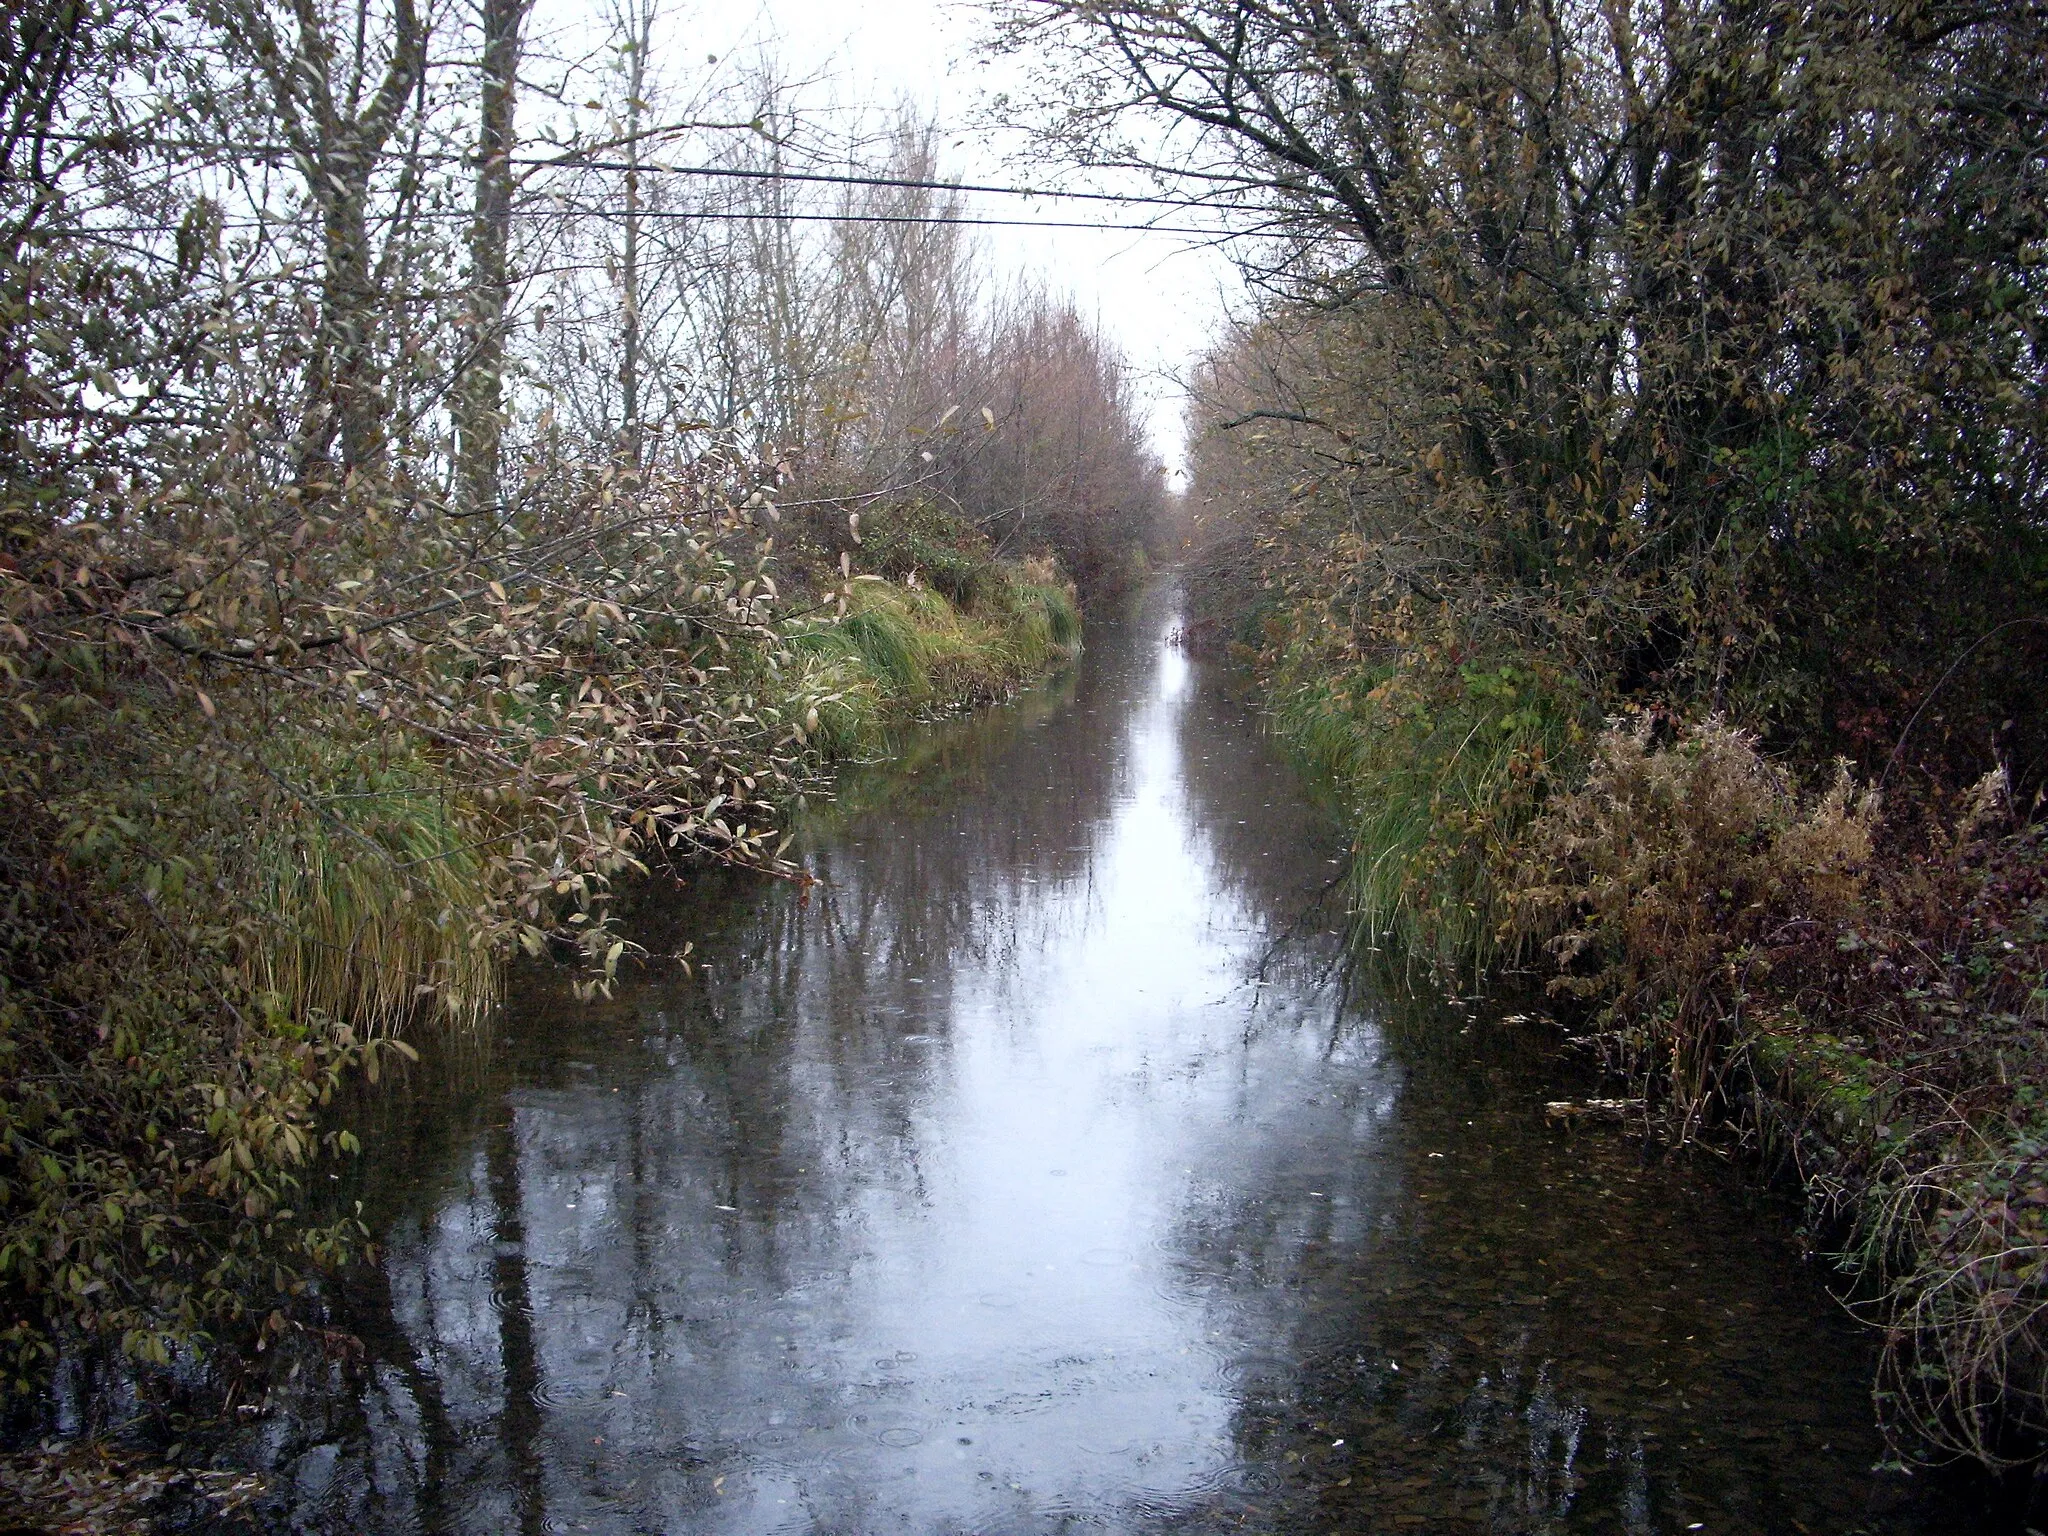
337 98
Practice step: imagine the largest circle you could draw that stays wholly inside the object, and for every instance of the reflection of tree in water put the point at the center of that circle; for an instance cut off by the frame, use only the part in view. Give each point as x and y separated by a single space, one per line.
572 1226
1272 845
620 1278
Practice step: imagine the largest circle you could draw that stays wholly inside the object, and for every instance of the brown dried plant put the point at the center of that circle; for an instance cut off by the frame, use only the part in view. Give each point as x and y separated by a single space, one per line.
1657 878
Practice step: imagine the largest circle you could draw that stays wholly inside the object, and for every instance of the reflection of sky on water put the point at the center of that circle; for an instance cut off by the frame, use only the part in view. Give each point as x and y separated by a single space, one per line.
1037 1173
967 1308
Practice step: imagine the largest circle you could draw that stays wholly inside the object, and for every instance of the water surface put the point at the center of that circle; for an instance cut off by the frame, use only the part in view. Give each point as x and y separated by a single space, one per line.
1046 1169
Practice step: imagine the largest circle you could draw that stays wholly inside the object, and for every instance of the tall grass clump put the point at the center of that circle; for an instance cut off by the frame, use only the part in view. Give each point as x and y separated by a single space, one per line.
841 703
893 633
1438 766
1054 607
373 891
903 649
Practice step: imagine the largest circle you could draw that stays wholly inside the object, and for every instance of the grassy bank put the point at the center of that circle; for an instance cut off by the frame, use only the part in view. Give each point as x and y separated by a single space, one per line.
1859 998
1440 758
901 650
224 899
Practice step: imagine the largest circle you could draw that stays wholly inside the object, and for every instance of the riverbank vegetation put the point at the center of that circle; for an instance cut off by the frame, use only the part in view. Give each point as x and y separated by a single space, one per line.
421 512
1627 478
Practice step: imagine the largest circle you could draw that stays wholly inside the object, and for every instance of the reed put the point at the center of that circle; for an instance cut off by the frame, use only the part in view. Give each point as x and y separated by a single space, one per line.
372 896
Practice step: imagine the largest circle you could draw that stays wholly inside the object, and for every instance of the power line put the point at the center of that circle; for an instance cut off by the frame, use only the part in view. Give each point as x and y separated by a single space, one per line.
720 216
575 160
855 179
736 216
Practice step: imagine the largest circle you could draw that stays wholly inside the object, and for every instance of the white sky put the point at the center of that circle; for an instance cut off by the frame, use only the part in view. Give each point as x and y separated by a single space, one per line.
1159 296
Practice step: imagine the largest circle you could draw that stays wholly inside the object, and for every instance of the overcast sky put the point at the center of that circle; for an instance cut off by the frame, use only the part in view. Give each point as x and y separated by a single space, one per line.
1159 296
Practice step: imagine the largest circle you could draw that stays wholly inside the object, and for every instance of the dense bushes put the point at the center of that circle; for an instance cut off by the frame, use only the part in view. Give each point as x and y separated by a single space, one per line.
158 1097
381 584
232 881
1862 1000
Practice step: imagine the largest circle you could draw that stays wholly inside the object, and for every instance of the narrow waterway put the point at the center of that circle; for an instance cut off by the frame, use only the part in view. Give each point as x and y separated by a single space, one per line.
1047 1169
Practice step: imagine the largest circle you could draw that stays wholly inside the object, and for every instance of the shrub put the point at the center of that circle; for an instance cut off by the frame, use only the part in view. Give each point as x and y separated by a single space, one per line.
1879 1018
159 1095
227 884
922 541
1656 878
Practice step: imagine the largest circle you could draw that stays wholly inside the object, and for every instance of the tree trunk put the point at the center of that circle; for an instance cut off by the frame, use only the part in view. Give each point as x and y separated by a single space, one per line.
630 447
337 146
479 405
348 376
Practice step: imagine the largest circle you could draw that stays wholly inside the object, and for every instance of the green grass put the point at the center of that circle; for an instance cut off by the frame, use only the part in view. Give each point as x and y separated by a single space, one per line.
1437 769
1062 618
373 890
902 651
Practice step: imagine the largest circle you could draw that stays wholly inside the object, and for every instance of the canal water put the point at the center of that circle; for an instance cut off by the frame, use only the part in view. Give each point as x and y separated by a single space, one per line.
1046 1168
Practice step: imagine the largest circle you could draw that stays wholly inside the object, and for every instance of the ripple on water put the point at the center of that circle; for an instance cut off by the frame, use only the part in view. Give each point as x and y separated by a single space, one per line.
815 1456
1254 1370
562 1395
505 1304
897 1430
1062 1512
1252 1477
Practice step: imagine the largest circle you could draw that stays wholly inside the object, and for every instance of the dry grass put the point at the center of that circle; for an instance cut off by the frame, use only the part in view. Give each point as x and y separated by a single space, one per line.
1878 1013
1654 879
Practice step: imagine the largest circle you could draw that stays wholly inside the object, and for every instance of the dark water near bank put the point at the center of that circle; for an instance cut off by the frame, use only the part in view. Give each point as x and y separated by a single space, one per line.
1047 1171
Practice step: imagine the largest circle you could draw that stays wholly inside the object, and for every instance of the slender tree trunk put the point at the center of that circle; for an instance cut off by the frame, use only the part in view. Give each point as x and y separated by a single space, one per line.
630 446
480 407
347 393
337 142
